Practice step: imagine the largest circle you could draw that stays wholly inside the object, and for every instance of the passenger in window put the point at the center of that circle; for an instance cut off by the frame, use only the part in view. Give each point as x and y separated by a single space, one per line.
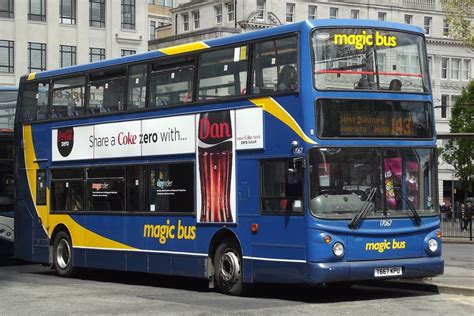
395 85
288 78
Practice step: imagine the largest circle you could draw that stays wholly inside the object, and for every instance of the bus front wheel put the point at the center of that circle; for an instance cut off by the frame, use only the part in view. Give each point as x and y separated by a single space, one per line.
228 268
62 255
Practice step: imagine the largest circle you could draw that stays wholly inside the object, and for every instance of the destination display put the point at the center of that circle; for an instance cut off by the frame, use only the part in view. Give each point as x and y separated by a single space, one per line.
372 118
378 124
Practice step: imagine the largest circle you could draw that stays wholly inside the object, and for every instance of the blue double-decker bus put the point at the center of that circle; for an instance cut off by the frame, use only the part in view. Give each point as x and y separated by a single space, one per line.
8 96
303 153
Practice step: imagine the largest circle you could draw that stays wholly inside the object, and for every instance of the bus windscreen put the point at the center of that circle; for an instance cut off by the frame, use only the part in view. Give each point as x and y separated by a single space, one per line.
369 59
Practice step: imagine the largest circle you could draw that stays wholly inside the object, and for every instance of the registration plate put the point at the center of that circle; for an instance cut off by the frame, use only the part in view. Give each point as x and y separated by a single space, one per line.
383 272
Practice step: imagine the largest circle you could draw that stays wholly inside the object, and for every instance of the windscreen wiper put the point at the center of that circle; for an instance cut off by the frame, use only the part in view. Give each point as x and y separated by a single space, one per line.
362 213
416 216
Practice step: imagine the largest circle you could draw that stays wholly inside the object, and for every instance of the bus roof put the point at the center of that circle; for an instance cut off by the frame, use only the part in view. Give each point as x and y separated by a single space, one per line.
8 88
248 36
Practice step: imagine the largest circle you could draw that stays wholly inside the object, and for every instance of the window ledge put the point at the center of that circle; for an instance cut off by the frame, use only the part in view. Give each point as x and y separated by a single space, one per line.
37 22
67 25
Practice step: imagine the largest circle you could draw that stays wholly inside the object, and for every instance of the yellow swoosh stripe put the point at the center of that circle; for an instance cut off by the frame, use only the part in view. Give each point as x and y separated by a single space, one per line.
271 106
80 235
184 48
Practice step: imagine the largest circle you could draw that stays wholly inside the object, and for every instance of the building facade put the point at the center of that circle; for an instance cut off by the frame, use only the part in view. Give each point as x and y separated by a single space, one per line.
450 62
159 18
38 35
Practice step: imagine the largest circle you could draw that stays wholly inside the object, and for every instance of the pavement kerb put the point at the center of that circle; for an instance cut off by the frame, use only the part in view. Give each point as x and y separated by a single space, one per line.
430 287
457 240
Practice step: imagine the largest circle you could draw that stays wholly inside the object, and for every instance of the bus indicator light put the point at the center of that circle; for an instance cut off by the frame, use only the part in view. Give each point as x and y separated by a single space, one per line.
254 228
327 239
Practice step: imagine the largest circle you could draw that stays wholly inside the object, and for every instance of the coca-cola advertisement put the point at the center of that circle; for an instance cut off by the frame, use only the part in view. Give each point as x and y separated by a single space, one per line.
216 167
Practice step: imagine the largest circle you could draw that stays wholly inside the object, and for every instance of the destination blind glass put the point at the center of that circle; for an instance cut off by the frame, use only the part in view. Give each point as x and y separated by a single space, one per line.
373 118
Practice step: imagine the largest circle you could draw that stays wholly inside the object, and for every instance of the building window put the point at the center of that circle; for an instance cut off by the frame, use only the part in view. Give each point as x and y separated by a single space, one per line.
151 1
97 13
260 9
455 68
312 12
185 22
67 55
128 14
466 69
427 25
152 30
96 54
218 10
408 19
354 14
445 28
6 9
67 12
165 3
37 10
290 12
6 56
196 19
333 13
444 105
128 52
230 12
430 65
382 16
444 68
36 57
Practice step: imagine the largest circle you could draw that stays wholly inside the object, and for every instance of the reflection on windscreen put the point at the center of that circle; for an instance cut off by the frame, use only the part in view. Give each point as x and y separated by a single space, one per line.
387 181
367 59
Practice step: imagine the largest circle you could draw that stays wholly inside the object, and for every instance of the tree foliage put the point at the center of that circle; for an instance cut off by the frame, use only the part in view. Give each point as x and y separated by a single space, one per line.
457 15
460 152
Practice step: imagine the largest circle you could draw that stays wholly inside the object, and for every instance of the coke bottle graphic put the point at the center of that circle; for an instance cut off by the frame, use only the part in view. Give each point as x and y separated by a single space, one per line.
215 166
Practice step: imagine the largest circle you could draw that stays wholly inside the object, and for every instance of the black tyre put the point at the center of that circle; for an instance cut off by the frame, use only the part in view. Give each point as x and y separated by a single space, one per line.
228 265
62 255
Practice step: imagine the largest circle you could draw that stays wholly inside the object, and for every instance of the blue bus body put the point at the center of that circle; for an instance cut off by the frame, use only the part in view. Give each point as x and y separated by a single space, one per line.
275 247
8 97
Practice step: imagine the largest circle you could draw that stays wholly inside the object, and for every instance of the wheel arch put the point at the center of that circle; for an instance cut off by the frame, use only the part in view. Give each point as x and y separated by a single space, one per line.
216 240
58 228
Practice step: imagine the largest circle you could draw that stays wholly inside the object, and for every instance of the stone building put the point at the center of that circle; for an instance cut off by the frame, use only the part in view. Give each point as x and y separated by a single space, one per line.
39 35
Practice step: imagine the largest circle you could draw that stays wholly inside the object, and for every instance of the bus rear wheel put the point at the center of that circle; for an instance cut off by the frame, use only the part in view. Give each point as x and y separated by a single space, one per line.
228 268
62 255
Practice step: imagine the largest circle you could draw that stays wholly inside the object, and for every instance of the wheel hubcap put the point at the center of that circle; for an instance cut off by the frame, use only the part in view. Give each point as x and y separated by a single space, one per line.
63 254
230 267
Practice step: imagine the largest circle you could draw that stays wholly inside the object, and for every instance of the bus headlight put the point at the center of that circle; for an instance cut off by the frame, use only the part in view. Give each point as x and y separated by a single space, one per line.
433 245
338 249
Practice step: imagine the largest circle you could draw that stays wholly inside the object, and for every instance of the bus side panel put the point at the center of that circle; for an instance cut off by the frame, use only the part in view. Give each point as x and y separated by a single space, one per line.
31 240
23 232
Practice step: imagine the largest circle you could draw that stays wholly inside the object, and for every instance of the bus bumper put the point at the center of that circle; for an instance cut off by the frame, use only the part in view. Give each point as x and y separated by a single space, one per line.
328 272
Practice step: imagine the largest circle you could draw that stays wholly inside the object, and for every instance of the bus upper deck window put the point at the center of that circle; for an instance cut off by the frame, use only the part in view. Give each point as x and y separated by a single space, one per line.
137 87
274 66
171 84
34 102
223 73
68 97
107 91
